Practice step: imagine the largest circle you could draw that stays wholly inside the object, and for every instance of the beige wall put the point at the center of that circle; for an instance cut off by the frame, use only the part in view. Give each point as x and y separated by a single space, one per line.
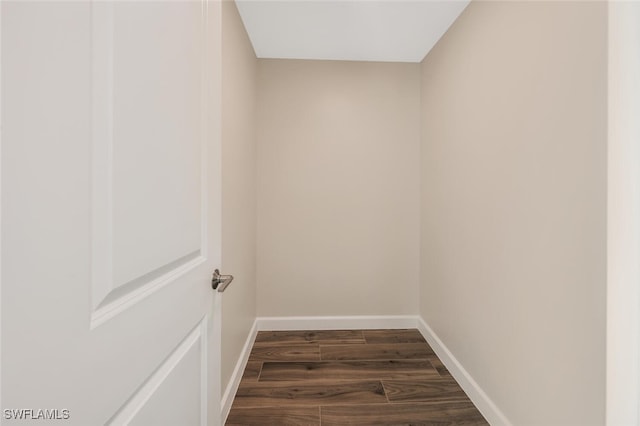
238 186
338 188
513 205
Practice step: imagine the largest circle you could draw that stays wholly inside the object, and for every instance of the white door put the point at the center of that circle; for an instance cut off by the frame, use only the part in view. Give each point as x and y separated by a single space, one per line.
110 212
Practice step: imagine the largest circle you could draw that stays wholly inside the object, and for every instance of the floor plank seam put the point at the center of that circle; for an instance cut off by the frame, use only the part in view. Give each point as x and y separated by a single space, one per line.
260 372
435 368
386 394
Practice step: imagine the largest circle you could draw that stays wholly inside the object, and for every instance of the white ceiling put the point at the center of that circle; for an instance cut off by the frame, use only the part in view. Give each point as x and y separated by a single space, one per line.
356 30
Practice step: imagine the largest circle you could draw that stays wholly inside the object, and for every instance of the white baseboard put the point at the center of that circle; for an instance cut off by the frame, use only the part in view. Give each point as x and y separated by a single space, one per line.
337 322
487 407
234 381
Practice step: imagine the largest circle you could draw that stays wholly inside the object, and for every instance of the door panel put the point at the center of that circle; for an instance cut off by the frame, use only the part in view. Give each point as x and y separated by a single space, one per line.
148 136
110 212
156 154
155 402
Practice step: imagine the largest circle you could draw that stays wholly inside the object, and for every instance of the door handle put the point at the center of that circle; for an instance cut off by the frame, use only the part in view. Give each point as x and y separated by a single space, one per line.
220 282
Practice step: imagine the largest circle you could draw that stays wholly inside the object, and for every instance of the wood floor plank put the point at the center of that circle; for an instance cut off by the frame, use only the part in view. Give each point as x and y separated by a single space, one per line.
436 389
347 370
251 371
310 352
410 335
302 393
286 416
439 366
376 351
325 337
359 377
441 413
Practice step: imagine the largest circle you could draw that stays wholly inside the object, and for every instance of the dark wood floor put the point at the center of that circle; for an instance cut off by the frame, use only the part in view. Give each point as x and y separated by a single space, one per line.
348 377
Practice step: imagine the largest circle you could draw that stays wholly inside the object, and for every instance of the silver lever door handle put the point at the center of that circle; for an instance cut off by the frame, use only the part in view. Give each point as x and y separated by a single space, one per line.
220 282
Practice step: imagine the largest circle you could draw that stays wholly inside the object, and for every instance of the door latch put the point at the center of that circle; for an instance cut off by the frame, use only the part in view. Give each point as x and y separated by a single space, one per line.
220 282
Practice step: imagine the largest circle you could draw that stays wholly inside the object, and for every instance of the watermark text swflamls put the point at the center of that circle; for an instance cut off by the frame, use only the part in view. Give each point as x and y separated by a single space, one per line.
36 414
